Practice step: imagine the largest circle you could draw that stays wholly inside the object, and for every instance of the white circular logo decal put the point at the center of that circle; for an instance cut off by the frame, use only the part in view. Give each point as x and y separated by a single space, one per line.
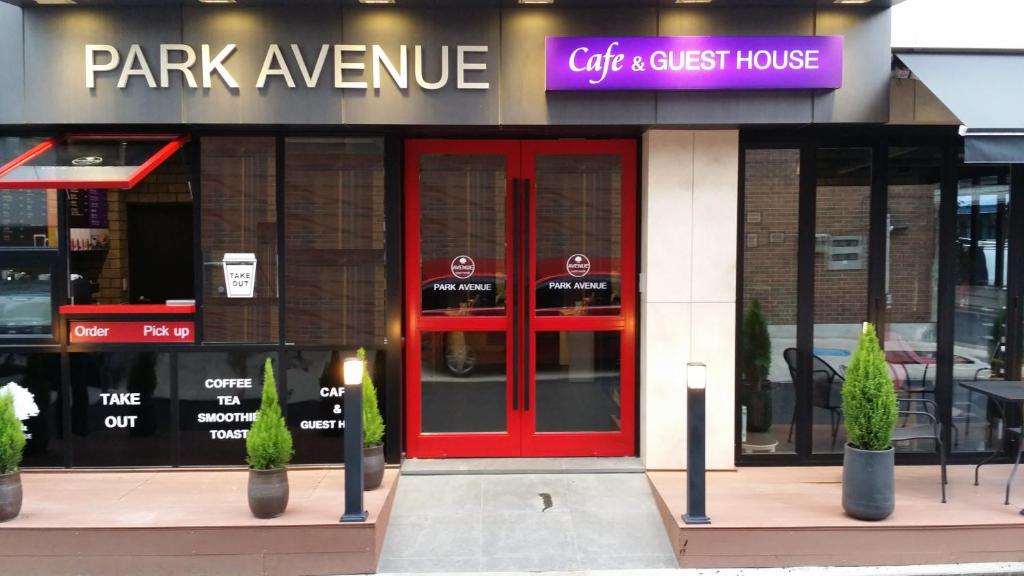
463 267
578 265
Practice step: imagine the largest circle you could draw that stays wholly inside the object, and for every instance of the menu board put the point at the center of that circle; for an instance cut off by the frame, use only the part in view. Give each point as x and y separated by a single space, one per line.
23 218
87 220
87 209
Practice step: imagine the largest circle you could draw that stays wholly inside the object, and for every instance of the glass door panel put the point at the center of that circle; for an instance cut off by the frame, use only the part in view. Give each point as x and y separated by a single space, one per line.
579 381
979 328
462 234
464 381
461 377
580 251
911 281
841 225
579 235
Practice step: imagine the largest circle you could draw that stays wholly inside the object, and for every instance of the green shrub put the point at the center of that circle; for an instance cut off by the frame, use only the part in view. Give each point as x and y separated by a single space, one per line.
373 423
269 443
757 345
869 400
12 438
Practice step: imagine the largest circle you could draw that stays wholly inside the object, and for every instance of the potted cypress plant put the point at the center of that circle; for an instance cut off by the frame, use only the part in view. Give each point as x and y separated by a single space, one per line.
869 412
373 431
12 443
269 449
757 361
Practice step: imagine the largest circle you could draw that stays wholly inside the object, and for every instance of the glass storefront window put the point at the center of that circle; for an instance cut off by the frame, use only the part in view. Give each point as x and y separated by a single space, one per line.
767 395
982 257
334 241
219 394
911 284
239 216
315 404
121 409
34 381
28 219
26 288
842 221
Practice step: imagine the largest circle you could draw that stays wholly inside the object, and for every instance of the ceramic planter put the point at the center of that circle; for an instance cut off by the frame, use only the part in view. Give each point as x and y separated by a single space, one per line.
868 483
10 496
373 466
268 492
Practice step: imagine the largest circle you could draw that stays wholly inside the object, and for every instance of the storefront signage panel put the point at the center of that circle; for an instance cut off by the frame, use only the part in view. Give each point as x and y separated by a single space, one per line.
219 394
343 66
121 409
102 332
694 63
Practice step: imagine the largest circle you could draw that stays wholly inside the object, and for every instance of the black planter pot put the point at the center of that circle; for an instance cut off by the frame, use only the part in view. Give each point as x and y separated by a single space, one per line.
869 478
758 400
268 492
10 496
373 466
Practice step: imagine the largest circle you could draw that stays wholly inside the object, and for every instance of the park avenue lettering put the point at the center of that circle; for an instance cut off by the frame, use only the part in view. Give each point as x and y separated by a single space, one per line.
347 64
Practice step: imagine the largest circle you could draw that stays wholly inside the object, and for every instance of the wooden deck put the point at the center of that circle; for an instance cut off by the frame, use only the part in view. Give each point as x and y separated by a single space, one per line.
188 522
785 517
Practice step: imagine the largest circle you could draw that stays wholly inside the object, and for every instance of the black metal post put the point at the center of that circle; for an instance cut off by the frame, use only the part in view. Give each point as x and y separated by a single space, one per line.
695 463
354 509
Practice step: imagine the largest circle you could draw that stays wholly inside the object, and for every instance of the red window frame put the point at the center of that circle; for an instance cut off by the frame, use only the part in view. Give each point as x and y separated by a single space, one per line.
174 143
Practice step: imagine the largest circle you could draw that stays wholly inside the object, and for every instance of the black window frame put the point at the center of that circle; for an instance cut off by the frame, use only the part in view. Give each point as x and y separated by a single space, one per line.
880 140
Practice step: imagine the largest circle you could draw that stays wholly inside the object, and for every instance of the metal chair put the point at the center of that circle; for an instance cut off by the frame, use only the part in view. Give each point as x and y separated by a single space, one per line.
931 430
826 391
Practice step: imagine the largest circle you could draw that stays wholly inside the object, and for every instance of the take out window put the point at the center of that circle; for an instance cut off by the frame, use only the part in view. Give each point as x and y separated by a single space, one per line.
98 161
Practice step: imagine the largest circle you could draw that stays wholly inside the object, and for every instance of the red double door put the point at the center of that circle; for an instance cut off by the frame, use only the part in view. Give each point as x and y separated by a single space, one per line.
521 295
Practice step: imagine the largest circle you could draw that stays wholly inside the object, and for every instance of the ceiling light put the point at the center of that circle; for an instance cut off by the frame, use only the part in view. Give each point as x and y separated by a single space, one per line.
693 1
376 1
536 1
217 1
852 1
54 2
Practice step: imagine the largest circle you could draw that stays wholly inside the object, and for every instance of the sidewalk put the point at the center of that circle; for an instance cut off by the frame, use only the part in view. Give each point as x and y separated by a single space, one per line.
983 569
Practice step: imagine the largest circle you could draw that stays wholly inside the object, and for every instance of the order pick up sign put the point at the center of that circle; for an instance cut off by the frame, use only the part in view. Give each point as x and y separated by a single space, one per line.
82 332
694 63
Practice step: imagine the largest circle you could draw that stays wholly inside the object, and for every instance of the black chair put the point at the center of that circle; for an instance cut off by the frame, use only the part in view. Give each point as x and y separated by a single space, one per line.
826 391
931 430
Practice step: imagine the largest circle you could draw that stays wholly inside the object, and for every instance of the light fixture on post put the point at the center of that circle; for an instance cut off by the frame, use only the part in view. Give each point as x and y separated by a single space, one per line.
696 386
352 372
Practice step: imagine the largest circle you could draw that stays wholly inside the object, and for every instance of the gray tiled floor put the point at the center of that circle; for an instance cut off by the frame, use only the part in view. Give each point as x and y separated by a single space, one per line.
480 522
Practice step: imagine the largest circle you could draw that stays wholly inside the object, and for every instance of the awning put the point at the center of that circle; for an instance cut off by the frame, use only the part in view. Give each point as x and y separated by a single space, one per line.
98 161
985 91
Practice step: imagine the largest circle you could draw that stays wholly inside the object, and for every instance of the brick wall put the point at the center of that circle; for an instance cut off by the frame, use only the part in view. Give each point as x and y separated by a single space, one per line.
771 197
770 255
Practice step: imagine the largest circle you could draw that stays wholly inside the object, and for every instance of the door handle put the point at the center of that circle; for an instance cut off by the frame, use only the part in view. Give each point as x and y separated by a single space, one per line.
510 290
527 340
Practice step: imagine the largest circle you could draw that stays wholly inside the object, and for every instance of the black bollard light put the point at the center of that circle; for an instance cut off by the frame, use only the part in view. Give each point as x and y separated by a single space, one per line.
696 385
353 375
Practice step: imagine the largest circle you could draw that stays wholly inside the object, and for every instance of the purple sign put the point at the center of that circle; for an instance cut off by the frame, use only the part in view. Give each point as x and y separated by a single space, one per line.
695 63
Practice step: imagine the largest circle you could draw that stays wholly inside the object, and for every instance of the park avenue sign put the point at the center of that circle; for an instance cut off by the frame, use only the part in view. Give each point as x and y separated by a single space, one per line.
342 64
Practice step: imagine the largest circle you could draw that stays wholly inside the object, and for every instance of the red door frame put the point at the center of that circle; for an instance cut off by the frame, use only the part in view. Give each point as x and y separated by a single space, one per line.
520 437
